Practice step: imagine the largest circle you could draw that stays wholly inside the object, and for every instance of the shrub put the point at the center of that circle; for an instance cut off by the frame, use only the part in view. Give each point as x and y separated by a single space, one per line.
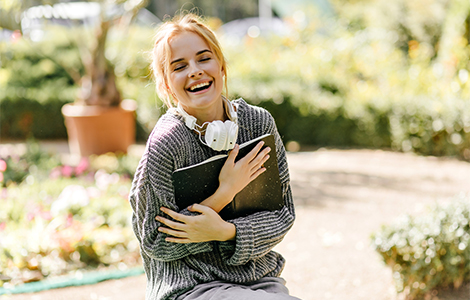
33 162
56 218
356 88
430 251
327 84
34 88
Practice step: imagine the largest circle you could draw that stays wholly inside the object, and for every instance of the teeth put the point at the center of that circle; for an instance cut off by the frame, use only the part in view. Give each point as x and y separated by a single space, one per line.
197 86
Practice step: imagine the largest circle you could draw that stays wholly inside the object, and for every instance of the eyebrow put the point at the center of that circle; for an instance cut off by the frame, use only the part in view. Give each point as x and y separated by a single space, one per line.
198 53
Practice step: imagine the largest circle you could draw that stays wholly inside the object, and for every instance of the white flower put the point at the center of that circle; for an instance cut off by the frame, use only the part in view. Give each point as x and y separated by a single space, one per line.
70 196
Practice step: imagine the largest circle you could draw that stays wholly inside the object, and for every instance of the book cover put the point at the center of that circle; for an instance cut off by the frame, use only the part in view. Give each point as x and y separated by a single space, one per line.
195 183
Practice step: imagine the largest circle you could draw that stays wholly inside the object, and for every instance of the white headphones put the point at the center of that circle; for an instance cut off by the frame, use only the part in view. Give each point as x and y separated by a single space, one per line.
218 135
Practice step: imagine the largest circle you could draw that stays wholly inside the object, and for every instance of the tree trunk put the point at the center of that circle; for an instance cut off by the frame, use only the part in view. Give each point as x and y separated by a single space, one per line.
99 85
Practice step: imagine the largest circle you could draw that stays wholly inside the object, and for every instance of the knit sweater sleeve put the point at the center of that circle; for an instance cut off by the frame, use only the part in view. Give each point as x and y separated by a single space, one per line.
151 189
258 233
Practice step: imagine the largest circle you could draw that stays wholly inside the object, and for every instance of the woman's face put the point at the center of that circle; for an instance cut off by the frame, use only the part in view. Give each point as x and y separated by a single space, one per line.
196 77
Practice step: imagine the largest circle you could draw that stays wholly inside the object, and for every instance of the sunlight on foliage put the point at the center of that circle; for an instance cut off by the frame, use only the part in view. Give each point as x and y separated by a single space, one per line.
57 218
429 251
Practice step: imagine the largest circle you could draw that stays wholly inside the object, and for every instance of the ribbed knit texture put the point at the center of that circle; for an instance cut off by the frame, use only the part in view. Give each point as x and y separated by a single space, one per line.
173 269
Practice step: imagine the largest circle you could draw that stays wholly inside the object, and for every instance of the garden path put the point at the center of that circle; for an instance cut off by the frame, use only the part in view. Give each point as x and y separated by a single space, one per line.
341 196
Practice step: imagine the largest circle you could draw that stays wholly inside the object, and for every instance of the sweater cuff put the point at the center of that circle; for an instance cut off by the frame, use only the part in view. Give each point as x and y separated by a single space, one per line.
240 251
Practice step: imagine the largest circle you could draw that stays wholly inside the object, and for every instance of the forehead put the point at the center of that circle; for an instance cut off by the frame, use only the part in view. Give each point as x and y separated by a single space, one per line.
187 44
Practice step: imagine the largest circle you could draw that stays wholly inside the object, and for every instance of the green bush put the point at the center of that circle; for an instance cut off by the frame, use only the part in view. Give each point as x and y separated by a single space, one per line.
35 83
348 82
34 88
430 251
344 86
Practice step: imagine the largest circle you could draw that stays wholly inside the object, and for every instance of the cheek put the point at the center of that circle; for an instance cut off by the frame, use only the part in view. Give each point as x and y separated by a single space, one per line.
176 82
216 71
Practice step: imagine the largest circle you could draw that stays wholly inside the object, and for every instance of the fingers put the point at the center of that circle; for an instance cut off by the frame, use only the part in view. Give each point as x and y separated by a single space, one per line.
196 229
257 173
178 240
259 160
252 154
173 233
169 223
233 154
181 219
200 209
175 230
176 216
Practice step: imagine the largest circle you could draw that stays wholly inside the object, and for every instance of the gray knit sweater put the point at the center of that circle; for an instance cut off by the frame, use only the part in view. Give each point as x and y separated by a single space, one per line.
173 269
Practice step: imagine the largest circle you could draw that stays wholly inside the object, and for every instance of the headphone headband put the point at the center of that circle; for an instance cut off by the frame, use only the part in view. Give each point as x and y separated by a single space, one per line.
232 113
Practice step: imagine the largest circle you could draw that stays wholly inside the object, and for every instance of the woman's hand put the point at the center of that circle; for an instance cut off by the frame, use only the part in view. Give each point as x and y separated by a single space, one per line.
208 226
234 176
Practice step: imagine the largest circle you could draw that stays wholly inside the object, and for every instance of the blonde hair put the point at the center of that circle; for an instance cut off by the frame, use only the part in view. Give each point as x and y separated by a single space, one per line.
161 54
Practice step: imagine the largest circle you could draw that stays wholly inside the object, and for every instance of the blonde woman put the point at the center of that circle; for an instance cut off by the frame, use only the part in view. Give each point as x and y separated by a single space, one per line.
191 252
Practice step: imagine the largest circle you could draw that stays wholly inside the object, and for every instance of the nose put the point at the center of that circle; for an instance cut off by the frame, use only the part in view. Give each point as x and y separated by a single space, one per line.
195 71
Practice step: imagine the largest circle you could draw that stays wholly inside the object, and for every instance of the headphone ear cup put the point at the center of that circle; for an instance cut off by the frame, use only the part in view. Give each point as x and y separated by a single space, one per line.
216 135
232 134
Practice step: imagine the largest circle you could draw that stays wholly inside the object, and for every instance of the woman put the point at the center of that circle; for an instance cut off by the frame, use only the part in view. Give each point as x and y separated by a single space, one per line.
192 253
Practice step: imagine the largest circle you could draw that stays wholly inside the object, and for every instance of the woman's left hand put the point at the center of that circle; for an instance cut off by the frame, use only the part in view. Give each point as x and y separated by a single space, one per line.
207 226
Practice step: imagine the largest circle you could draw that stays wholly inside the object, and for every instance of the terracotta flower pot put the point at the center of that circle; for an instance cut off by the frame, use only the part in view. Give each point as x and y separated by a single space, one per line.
99 130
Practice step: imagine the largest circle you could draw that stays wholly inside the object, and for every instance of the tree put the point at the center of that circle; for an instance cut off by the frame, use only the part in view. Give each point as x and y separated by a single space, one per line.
98 83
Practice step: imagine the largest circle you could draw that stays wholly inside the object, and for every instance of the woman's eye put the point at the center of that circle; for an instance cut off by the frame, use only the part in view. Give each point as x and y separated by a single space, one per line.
179 67
205 59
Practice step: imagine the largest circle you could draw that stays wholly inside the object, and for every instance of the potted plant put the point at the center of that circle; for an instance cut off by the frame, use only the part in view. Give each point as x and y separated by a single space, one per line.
100 121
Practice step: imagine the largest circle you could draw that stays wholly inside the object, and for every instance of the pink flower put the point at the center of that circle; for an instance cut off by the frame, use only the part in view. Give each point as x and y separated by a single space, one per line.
69 220
55 173
3 165
82 166
46 215
30 216
67 171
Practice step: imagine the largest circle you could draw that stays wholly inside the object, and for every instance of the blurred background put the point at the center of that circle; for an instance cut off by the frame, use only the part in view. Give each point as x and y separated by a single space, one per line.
375 74
343 74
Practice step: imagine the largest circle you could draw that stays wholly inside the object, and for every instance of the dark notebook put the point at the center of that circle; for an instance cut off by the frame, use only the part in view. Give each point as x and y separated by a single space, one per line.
196 183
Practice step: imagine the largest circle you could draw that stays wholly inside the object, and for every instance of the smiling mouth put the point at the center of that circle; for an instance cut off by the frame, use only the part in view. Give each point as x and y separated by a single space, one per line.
200 87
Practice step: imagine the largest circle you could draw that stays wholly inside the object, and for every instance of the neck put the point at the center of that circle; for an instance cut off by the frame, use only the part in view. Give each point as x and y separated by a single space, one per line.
218 111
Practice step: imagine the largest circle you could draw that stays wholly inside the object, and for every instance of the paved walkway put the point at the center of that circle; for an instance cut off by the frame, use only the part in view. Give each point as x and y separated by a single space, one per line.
342 196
